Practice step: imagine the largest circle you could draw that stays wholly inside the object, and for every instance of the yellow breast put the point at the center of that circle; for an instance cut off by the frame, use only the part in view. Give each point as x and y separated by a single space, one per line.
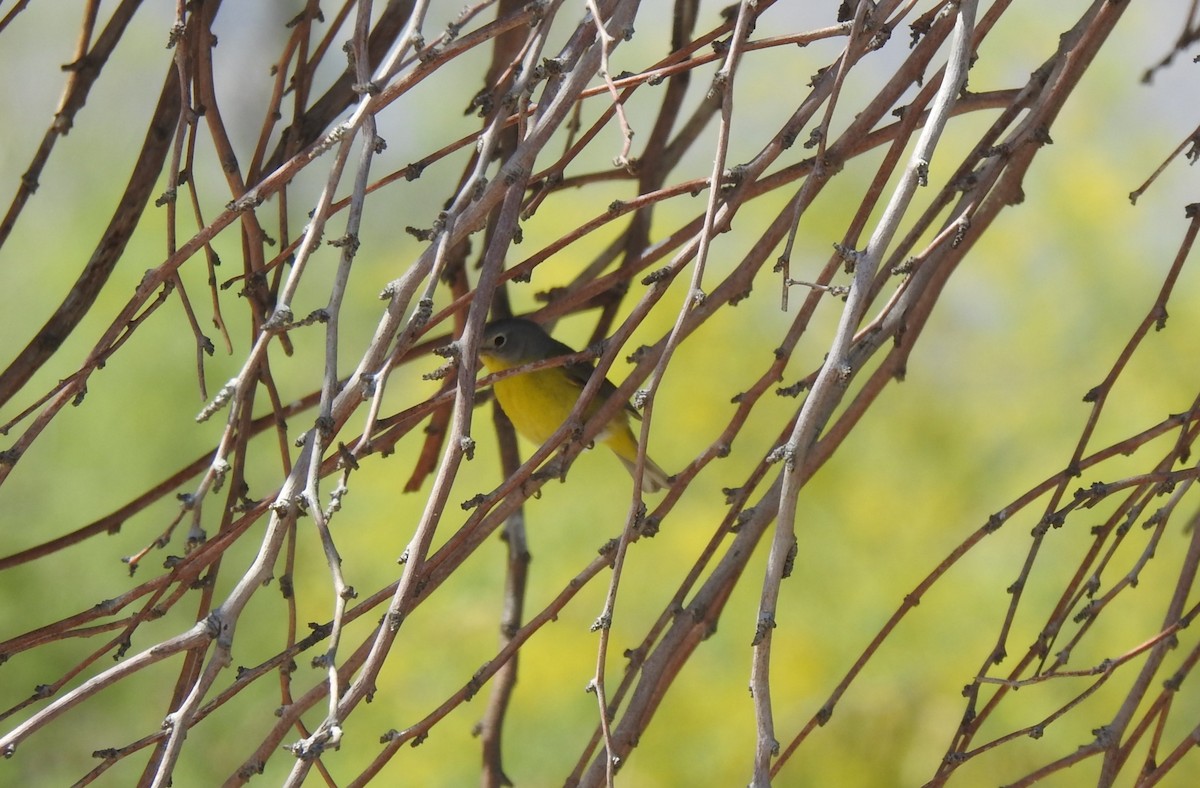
537 403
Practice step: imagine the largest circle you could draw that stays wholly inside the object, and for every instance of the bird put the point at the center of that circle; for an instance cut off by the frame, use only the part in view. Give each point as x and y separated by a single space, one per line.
538 402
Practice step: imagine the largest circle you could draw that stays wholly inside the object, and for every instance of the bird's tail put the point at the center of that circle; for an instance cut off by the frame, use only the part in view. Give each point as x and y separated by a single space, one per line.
654 478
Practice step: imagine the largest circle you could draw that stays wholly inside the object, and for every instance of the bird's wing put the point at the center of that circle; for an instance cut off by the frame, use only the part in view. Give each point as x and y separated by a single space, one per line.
580 372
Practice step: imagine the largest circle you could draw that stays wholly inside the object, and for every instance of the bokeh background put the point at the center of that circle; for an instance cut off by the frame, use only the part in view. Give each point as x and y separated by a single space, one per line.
991 405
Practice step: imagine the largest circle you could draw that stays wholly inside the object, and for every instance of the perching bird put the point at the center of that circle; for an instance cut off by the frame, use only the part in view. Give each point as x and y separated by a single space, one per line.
537 403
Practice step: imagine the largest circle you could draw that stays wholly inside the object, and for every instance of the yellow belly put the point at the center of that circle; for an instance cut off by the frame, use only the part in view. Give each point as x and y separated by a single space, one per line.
537 403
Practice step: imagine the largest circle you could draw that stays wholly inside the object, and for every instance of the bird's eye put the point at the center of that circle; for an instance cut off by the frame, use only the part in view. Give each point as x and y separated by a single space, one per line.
498 340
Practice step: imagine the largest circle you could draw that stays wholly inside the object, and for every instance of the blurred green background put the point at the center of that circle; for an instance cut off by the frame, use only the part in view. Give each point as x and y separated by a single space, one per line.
991 405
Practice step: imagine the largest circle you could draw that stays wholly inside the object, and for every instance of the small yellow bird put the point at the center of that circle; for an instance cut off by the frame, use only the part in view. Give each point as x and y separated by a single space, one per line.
537 403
